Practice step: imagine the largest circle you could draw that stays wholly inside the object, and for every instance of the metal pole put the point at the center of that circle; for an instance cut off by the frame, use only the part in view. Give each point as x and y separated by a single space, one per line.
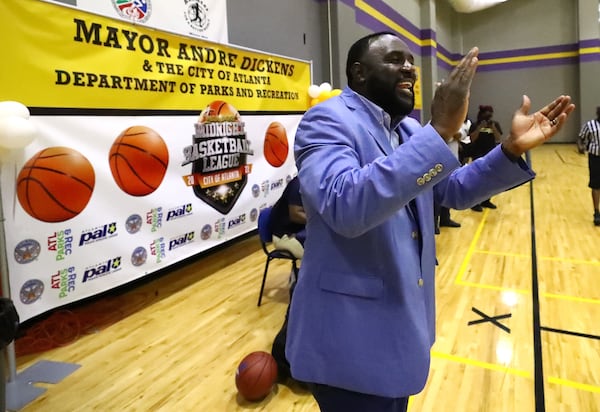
329 41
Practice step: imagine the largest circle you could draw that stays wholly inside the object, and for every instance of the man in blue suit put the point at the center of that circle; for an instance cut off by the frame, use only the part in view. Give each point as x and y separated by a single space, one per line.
362 320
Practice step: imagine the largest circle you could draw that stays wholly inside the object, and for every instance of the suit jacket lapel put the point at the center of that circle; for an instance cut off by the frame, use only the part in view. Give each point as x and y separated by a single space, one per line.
374 128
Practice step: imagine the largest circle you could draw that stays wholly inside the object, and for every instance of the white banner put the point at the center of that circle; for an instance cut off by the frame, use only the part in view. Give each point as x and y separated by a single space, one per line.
206 19
120 235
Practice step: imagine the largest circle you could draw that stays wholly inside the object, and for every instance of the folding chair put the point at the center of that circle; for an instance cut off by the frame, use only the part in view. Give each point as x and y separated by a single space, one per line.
266 239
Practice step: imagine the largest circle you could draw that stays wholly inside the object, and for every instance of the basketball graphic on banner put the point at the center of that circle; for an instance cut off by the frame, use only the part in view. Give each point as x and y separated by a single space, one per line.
56 184
138 160
219 111
276 145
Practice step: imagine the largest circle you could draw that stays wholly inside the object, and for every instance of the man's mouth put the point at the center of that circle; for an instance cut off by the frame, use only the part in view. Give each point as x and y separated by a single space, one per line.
405 88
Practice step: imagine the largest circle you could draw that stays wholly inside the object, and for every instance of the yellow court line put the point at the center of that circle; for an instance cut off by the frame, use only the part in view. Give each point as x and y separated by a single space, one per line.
572 384
508 254
567 260
571 298
528 292
514 371
547 258
492 287
484 365
471 250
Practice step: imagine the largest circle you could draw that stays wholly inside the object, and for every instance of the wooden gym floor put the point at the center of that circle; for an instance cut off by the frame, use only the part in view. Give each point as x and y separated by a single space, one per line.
173 343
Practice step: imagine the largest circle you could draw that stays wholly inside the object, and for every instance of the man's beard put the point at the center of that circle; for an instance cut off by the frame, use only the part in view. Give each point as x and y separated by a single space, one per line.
406 104
394 103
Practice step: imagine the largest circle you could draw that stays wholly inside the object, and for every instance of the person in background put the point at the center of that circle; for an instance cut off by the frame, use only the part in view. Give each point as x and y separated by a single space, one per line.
485 134
589 141
442 213
362 318
288 220
288 225
463 143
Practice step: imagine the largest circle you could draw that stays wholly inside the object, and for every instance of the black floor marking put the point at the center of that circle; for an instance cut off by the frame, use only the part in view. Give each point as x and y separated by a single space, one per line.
568 332
492 319
540 401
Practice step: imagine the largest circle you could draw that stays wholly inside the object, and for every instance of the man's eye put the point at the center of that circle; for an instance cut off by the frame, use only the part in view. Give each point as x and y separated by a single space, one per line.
401 61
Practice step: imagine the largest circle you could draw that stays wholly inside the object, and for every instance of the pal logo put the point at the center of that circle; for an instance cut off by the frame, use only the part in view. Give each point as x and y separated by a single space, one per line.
102 269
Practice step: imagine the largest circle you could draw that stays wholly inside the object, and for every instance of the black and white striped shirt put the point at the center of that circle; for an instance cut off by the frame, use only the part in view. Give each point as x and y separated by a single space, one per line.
589 137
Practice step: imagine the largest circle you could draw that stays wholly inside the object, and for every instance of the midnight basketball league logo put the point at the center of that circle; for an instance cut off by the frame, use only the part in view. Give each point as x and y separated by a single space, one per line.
219 157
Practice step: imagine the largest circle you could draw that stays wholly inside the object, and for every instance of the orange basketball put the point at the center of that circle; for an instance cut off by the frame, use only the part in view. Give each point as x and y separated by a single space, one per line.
138 160
56 184
276 144
219 111
256 375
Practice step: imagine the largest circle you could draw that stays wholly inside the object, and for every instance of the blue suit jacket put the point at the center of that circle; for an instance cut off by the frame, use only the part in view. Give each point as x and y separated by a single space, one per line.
361 318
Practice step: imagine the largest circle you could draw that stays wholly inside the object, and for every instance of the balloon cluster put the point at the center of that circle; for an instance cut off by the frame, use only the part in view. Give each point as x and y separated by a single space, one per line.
16 130
321 93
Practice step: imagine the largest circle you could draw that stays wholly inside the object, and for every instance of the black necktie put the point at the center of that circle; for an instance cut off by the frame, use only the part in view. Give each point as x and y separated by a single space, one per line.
413 210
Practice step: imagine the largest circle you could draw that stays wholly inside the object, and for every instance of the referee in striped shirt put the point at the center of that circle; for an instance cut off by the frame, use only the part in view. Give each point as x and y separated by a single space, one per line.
589 141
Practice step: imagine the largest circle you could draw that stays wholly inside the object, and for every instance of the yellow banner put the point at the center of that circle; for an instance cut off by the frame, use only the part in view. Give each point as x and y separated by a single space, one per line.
56 56
417 90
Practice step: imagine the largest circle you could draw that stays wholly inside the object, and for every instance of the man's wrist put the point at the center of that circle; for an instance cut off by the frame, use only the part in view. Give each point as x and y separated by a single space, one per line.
512 157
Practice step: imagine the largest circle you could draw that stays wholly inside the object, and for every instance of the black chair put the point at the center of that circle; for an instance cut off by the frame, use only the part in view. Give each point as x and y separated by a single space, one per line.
266 239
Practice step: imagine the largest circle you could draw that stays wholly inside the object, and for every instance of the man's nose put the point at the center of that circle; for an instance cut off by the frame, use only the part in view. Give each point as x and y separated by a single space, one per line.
407 65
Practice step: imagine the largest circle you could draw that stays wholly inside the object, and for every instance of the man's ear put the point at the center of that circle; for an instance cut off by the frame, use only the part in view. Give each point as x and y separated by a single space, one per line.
357 71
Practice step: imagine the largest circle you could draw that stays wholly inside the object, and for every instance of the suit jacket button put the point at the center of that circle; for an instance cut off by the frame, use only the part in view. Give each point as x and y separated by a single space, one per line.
415 234
439 167
420 181
427 177
433 172
420 282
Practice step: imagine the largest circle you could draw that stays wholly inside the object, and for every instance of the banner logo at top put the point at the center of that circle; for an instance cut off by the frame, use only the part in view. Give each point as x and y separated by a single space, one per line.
196 15
135 10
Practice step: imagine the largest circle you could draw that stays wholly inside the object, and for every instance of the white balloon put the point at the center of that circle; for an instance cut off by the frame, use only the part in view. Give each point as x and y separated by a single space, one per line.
11 108
314 91
325 87
16 132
